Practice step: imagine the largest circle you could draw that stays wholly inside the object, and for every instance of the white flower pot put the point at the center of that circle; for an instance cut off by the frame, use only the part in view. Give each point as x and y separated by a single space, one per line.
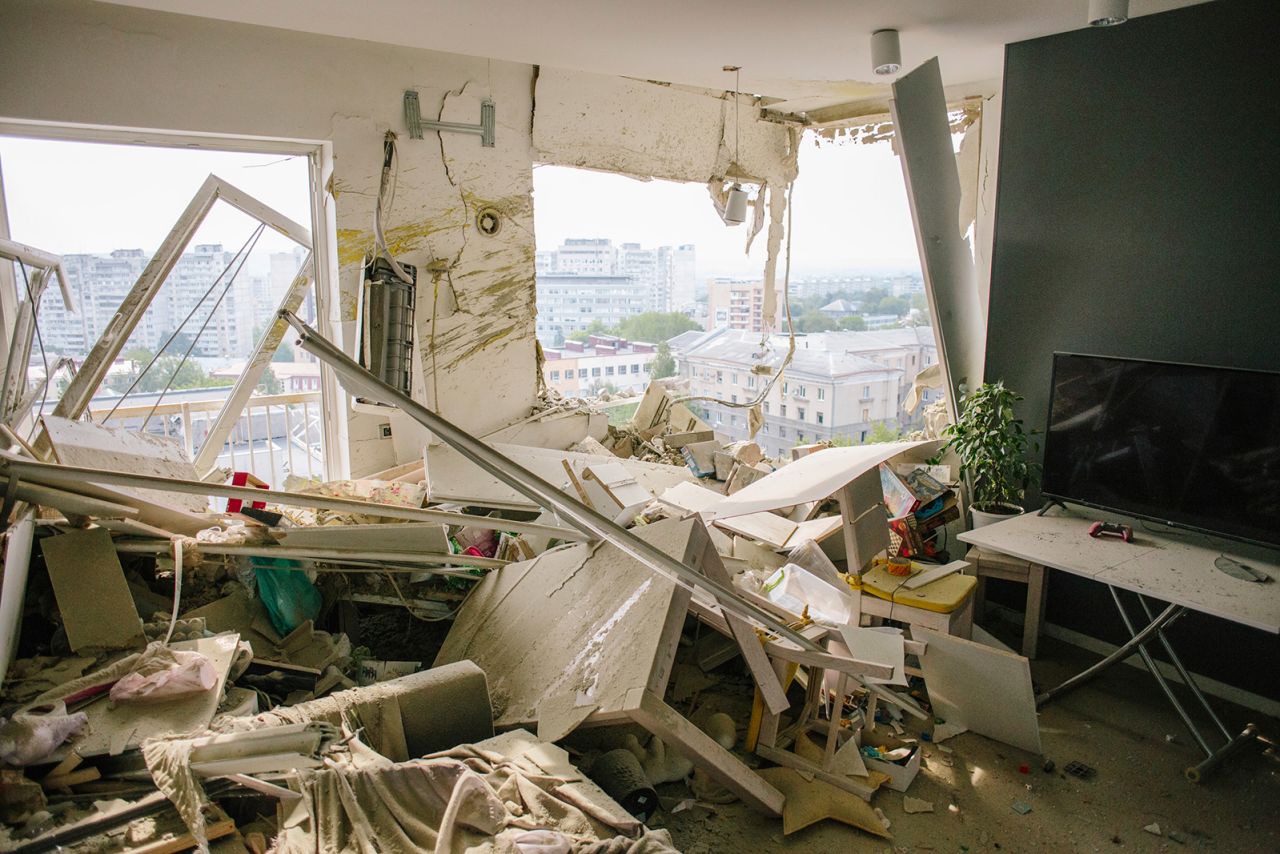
1003 510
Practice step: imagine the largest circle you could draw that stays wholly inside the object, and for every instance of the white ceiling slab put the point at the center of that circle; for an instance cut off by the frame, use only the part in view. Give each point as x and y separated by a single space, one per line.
817 50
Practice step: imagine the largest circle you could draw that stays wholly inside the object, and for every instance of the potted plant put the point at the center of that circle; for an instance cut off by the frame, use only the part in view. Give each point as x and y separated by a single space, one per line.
992 446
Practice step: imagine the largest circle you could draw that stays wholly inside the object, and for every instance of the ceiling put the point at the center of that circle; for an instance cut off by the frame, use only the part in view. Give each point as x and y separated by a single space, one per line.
811 52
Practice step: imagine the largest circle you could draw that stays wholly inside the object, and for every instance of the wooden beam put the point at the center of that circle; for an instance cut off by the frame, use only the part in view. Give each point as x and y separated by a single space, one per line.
650 712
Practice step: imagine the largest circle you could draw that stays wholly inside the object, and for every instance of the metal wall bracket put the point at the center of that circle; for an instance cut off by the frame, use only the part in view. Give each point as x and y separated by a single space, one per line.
413 118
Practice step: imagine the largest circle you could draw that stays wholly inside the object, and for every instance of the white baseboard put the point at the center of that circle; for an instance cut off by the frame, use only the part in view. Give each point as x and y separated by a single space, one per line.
1230 693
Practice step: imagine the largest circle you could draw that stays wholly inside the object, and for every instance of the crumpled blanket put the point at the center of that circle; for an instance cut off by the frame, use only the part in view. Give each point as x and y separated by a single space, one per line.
468 799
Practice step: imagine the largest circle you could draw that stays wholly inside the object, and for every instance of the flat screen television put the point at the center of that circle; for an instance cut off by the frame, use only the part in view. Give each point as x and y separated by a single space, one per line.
1188 445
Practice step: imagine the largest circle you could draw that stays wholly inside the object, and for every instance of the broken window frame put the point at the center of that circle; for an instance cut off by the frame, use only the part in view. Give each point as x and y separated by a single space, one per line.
323 234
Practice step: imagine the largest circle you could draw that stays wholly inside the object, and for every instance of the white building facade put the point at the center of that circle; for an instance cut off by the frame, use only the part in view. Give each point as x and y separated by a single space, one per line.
838 385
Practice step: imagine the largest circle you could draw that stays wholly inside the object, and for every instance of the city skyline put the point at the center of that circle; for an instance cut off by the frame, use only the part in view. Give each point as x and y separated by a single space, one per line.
850 211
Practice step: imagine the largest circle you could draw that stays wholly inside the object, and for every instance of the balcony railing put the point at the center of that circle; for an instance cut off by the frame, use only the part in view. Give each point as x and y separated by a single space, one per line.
276 435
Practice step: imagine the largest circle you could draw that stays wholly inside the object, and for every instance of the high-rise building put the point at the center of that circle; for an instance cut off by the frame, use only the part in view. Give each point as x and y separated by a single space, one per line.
739 304
587 256
569 303
650 269
590 279
100 284
684 278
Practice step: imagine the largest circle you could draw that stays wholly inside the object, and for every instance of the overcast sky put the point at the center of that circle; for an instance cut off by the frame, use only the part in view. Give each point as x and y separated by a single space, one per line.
850 206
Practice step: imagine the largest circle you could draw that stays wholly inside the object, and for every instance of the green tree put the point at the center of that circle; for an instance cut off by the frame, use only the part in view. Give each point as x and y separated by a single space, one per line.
270 383
559 339
853 323
168 371
655 326
882 431
814 321
893 305
596 327
663 364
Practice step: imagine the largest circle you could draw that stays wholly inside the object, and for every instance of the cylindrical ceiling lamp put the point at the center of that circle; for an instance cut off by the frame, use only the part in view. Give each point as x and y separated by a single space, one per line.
886 53
1108 13
735 206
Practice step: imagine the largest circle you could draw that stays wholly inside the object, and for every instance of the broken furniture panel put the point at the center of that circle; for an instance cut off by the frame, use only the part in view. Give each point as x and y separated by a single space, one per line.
451 477
84 444
93 597
985 690
582 621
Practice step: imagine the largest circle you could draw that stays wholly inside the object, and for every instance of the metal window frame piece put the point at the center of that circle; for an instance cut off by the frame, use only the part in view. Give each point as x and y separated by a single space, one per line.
207 459
75 400
359 382
919 111
15 397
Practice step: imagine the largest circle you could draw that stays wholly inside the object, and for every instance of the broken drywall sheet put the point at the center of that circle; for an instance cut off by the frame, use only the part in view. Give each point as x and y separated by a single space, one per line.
94 601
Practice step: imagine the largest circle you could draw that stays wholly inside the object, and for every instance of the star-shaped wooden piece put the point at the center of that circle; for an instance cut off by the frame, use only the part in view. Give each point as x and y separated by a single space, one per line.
810 801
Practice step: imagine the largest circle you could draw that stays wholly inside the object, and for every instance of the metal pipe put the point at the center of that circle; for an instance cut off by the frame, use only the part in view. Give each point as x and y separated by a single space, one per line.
78 475
535 488
427 559
1186 676
1160 680
1197 773
1167 616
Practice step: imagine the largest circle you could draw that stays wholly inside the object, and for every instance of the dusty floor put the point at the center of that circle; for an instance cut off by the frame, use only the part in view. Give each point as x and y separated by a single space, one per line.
1116 724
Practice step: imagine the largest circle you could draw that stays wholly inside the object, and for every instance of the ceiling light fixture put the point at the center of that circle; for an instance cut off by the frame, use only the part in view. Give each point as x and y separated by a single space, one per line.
735 203
886 53
1108 13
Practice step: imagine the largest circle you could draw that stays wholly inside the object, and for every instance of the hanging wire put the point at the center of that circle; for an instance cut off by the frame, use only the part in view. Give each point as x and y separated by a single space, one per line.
389 156
35 322
737 113
165 346
196 339
791 339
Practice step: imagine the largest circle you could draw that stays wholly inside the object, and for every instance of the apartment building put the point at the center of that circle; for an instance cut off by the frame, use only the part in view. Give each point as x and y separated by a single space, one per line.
839 384
100 282
584 368
738 304
570 302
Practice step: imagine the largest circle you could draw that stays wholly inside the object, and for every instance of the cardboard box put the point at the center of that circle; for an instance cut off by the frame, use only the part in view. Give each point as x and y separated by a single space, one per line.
901 774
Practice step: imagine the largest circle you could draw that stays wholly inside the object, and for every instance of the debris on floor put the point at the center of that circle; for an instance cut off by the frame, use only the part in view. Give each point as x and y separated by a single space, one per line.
438 658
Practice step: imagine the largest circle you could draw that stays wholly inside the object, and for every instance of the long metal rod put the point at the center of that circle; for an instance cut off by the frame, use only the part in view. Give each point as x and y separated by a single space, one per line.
535 488
426 559
1186 676
1167 616
1159 677
73 475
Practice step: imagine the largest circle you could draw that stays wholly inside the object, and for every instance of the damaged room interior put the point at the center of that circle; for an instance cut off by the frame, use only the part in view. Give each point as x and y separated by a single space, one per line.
578 427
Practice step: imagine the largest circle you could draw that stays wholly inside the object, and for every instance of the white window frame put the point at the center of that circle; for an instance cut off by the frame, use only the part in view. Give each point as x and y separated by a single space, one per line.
323 235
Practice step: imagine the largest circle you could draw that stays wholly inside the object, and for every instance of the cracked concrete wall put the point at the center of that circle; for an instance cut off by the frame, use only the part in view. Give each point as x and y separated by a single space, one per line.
84 62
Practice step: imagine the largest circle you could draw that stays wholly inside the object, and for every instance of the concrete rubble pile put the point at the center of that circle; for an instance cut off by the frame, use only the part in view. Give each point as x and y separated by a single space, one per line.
432 658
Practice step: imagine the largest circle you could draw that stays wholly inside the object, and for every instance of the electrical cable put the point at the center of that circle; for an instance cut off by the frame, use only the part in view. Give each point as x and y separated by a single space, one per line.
196 339
389 156
764 340
173 335
35 323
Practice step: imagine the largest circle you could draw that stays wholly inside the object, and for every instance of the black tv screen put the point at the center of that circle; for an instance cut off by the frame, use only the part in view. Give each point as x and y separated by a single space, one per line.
1193 446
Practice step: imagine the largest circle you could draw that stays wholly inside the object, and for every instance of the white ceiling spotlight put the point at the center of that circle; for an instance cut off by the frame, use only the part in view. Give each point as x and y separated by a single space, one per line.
735 202
886 53
1108 13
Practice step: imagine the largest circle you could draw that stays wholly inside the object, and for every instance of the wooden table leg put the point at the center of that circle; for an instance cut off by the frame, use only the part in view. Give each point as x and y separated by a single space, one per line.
1035 609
